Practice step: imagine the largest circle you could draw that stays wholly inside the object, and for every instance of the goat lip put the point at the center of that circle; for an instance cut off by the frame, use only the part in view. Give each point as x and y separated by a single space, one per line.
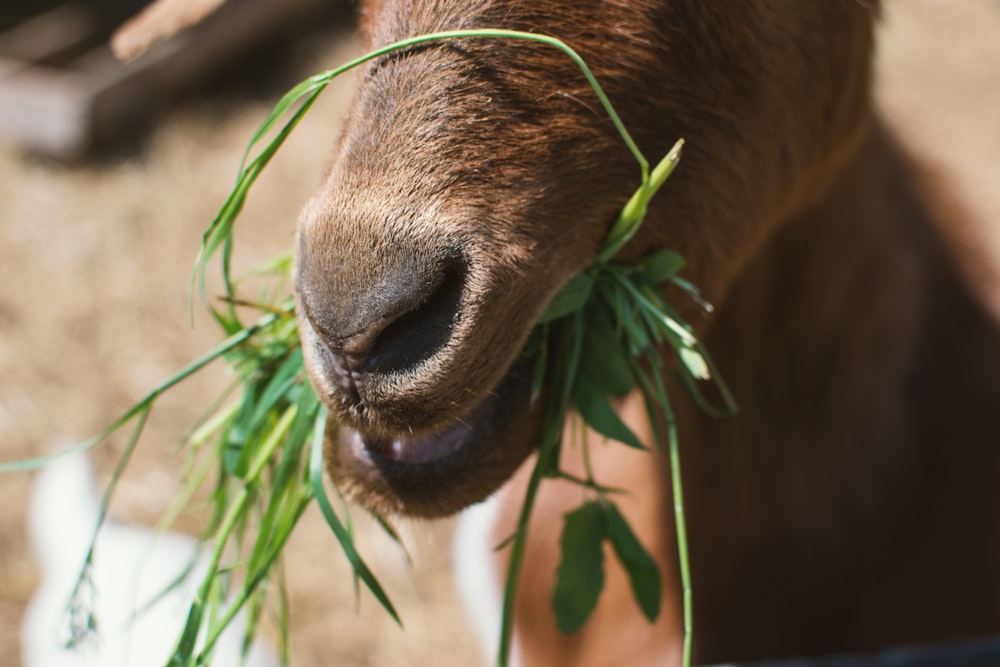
437 474
433 448
415 450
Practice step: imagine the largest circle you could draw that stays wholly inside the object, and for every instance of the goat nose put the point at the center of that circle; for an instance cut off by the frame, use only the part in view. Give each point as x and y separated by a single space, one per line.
357 348
391 324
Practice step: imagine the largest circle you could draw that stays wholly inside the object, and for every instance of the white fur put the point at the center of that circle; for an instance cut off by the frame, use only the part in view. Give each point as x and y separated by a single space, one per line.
479 583
132 565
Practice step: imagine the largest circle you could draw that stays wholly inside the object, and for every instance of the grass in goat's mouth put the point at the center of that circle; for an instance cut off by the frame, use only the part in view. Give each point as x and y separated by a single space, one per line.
260 448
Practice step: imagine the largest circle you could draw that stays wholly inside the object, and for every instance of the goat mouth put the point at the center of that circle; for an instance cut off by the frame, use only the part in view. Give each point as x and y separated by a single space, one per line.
446 470
432 449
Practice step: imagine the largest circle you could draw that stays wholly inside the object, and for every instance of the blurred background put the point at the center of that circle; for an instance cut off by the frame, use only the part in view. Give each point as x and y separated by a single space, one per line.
109 175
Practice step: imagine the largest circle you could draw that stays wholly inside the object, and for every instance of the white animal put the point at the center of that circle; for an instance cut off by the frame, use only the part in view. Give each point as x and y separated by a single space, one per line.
132 565
476 574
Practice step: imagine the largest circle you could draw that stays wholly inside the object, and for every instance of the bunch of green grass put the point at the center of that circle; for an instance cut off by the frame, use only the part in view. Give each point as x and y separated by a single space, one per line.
259 449
603 335
258 453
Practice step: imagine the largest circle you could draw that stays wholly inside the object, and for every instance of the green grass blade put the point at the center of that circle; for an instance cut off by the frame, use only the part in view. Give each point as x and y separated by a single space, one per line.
632 214
221 227
216 352
333 521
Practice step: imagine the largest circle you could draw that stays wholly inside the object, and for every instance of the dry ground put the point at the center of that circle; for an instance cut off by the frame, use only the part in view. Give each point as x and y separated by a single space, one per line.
94 266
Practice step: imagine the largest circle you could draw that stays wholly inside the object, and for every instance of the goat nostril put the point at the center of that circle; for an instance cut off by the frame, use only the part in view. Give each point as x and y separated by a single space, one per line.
415 335
356 349
387 325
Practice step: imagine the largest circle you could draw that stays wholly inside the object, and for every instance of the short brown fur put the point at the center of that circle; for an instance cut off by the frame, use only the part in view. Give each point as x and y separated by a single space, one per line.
851 504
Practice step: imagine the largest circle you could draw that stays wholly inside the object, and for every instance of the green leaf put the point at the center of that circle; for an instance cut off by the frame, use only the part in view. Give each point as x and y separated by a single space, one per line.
642 572
278 386
580 576
358 565
661 266
694 293
541 363
638 337
631 320
565 359
595 409
634 211
603 359
184 650
286 475
220 230
695 363
569 299
236 457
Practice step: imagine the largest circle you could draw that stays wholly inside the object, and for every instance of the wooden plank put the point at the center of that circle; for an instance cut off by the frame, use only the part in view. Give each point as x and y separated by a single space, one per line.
63 93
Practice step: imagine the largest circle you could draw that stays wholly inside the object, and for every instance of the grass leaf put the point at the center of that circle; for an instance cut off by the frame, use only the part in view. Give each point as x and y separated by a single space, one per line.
603 359
661 266
570 298
695 363
580 576
333 521
643 574
595 409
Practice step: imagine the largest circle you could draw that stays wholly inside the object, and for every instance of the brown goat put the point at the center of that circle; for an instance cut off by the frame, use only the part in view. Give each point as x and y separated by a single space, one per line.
851 504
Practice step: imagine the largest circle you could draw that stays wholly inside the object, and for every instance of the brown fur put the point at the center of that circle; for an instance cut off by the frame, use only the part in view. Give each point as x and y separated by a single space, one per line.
850 505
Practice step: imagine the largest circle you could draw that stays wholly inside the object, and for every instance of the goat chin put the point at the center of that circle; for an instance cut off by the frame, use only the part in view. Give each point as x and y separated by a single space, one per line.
132 566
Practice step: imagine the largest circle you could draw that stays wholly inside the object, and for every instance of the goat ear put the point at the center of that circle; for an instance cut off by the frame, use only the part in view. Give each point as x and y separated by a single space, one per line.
158 21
